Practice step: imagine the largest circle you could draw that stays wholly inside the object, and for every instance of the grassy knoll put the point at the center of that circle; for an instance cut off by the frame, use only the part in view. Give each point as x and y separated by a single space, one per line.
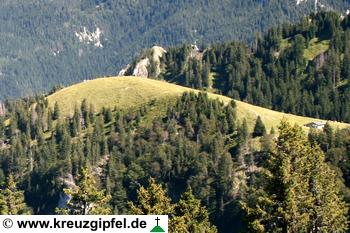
126 92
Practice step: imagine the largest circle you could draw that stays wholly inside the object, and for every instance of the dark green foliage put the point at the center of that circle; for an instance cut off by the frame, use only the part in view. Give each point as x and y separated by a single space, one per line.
275 73
191 144
298 192
12 200
39 47
194 141
85 198
56 112
185 216
335 144
259 128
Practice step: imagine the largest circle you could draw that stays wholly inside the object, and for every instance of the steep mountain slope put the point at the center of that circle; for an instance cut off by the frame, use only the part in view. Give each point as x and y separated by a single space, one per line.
45 43
126 92
303 68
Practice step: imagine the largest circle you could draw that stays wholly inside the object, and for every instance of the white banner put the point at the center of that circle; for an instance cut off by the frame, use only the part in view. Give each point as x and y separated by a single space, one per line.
83 223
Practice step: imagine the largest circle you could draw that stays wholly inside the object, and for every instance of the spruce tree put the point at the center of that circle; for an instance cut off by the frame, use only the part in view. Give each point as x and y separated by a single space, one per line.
190 211
86 199
85 113
328 131
49 120
187 216
259 128
243 132
152 200
3 207
12 200
298 192
56 112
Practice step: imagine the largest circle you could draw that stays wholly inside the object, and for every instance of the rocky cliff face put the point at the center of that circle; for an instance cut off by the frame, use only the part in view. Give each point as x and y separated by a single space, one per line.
2 109
141 68
157 54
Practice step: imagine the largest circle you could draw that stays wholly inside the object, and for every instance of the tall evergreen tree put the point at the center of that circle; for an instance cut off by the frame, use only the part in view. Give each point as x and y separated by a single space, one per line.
3 207
186 216
12 200
243 132
56 112
259 128
152 200
49 119
189 211
299 192
86 199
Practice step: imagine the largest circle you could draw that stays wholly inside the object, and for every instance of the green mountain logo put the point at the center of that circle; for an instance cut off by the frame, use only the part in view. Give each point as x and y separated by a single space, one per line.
157 228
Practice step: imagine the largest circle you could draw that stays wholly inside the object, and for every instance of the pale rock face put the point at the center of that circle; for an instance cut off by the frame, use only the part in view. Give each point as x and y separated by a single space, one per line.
2 109
158 53
317 4
68 182
300 1
141 68
88 37
123 71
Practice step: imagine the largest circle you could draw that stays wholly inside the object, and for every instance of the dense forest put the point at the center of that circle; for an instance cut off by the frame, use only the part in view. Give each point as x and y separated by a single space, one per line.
40 44
302 69
188 157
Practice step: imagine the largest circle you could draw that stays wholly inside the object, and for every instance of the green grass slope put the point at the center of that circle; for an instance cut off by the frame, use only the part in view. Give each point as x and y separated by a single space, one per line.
315 48
125 92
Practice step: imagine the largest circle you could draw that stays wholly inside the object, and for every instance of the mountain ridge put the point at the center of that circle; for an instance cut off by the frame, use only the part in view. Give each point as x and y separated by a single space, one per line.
125 92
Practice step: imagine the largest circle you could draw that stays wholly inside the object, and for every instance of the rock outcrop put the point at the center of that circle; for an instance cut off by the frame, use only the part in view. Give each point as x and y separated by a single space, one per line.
2 109
122 72
141 68
90 37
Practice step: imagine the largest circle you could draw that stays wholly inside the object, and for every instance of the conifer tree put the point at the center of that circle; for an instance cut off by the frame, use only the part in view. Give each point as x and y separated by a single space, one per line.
49 120
12 200
152 200
85 113
86 199
243 132
259 128
328 130
187 216
298 192
75 126
196 218
3 207
56 112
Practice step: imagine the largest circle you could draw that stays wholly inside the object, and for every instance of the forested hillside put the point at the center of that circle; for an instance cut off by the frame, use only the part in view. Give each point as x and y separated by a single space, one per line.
189 157
47 43
132 145
302 69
